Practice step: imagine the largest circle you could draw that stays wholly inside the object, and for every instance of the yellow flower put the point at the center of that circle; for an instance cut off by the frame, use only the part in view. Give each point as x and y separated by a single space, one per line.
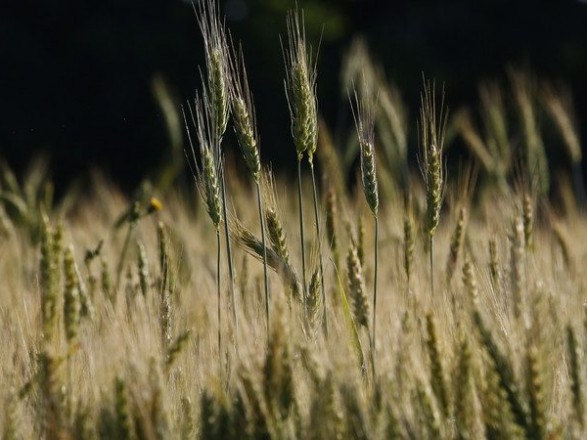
155 205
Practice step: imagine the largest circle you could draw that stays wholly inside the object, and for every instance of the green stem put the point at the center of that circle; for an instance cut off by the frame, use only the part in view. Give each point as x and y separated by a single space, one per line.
229 253
262 218
319 238
302 232
372 351
432 265
219 300
375 280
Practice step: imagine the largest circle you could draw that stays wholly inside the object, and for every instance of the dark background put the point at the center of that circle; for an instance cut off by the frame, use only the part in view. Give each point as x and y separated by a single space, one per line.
75 76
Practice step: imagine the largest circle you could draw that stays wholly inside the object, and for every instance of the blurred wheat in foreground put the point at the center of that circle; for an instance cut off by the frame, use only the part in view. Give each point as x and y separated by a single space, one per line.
118 317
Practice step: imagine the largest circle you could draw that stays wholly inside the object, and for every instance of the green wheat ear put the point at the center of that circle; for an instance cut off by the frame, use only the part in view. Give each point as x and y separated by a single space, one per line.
364 116
217 63
49 289
432 131
456 243
300 90
300 86
71 298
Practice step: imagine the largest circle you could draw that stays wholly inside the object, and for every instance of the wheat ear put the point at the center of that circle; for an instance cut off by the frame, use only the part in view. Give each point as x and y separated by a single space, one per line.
207 183
300 88
217 84
432 130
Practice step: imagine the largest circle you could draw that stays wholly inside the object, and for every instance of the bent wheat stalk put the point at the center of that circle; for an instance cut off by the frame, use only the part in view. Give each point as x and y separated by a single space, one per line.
248 140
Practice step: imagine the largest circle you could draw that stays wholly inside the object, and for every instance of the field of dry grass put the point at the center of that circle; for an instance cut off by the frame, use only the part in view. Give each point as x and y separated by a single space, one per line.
416 305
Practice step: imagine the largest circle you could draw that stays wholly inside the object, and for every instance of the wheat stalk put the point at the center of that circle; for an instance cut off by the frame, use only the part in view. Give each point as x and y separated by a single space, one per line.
207 183
216 86
246 131
300 88
432 131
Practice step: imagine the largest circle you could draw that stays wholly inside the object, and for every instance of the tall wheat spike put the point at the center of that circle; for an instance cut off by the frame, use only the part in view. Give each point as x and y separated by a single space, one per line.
300 88
432 131
248 140
217 88
207 182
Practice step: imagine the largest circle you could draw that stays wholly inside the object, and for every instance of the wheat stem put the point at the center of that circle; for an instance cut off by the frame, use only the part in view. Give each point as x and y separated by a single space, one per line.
319 236
263 241
131 226
219 301
228 251
300 203
375 278
431 250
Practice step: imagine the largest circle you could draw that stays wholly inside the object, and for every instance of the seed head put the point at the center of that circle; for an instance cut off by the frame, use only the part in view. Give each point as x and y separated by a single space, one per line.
244 116
364 116
356 286
207 174
432 127
217 64
300 87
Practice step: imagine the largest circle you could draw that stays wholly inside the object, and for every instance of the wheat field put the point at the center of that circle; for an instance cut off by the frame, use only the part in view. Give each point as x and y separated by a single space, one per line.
440 302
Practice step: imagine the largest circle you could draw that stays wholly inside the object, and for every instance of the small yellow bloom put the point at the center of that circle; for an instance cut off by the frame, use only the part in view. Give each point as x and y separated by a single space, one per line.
155 205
